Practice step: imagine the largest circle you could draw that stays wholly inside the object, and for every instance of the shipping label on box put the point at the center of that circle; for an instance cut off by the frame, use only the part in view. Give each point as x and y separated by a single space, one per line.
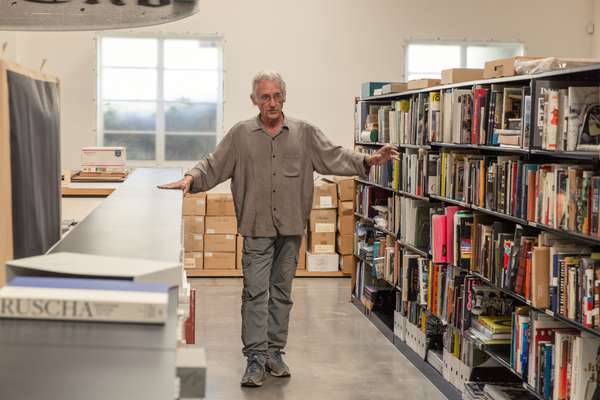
193 242
220 225
347 264
345 244
219 260
194 204
323 221
319 243
219 204
322 262
346 224
193 224
324 195
220 243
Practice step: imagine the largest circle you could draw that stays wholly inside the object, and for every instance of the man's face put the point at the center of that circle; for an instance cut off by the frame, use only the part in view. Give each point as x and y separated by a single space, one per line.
269 99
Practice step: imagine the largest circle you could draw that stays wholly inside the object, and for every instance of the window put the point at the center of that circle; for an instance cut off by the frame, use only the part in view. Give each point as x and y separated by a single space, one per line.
428 59
161 98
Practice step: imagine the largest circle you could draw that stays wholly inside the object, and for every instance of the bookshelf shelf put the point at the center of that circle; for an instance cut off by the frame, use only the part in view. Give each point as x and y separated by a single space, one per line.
567 234
372 221
413 196
500 215
572 155
377 144
375 184
414 249
451 201
414 146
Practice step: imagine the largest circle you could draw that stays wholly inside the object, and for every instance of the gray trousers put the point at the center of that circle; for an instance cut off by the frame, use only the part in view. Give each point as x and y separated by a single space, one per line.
269 267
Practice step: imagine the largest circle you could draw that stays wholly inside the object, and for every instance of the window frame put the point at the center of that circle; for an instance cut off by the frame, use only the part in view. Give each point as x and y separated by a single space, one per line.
463 50
160 130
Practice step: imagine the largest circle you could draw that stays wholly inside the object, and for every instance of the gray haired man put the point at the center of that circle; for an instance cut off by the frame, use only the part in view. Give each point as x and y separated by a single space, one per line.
270 160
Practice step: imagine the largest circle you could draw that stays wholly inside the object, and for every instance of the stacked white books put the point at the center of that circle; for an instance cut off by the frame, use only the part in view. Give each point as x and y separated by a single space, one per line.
83 287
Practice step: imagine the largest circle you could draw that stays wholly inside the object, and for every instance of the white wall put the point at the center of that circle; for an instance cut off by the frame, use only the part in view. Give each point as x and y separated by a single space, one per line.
8 41
323 48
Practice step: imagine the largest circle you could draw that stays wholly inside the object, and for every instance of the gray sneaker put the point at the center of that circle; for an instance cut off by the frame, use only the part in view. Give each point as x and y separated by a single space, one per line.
276 366
255 371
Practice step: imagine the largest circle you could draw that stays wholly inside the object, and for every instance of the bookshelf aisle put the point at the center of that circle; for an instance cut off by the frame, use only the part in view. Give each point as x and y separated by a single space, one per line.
478 247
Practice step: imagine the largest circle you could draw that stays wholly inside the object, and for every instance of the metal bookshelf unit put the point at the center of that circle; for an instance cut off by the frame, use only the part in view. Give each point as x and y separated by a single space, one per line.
530 153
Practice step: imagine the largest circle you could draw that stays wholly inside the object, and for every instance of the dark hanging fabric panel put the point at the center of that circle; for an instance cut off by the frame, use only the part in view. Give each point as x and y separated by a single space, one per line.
35 163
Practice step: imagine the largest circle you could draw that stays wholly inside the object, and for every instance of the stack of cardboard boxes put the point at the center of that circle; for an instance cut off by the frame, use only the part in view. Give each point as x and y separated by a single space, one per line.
346 223
210 229
321 255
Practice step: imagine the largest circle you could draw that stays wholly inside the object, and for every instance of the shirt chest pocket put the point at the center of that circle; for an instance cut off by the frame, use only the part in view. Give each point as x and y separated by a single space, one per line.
291 165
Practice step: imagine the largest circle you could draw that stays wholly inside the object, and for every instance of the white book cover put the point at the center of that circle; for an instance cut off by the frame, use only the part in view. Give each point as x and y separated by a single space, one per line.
447 102
551 120
586 366
578 99
76 264
83 304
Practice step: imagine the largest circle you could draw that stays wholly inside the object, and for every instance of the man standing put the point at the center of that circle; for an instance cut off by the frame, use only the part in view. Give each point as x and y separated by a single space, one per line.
270 160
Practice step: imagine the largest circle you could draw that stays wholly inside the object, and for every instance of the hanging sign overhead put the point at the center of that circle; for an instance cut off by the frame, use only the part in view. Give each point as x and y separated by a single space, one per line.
72 15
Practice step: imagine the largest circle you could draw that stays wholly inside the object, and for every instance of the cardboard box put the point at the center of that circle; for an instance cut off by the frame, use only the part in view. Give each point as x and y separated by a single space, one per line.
219 204
219 260
323 221
346 224
347 264
502 67
345 208
344 244
104 159
368 88
422 83
220 243
302 254
220 225
189 263
456 75
324 195
194 204
239 252
197 258
345 188
193 242
394 87
321 243
193 224
322 262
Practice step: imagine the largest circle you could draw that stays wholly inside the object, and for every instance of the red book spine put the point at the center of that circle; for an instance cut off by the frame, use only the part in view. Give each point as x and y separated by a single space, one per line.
190 323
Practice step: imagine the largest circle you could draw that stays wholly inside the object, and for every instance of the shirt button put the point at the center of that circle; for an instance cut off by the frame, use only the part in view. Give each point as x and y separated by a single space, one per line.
273 190
273 155
273 173
274 209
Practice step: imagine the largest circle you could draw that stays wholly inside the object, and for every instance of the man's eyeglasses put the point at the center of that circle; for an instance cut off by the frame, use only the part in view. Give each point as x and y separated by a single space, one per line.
265 98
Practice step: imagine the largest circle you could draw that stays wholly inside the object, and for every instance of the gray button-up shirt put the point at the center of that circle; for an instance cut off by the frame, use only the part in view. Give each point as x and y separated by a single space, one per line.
272 175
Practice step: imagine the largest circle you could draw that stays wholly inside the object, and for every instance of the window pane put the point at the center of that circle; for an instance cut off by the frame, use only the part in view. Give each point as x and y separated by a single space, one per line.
478 55
432 58
191 117
129 52
188 147
128 84
191 54
198 86
129 116
139 146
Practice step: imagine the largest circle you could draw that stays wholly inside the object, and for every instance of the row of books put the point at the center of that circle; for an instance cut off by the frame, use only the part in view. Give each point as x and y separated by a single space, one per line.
497 115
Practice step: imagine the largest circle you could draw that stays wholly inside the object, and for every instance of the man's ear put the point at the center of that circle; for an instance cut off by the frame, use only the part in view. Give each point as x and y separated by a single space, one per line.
253 101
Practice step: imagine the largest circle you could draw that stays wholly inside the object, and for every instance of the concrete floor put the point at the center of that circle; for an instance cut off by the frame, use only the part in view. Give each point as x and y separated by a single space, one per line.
334 352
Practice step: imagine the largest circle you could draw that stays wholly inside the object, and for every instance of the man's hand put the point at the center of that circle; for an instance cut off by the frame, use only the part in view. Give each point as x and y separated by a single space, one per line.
182 184
382 155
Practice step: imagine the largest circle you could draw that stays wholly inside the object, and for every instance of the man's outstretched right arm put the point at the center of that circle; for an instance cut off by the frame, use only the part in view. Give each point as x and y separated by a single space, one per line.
208 173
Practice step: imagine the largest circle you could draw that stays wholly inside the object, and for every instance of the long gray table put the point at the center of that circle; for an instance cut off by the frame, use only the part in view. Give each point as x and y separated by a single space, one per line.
75 361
